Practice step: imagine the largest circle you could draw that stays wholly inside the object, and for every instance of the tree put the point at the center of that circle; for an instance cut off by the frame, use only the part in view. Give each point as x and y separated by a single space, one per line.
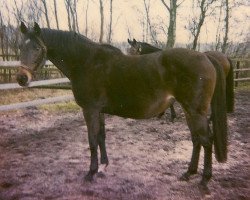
102 22
149 24
110 21
196 24
172 9
225 39
46 12
56 15
86 18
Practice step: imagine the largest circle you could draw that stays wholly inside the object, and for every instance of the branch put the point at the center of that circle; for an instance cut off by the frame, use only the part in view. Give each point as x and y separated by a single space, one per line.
180 3
164 3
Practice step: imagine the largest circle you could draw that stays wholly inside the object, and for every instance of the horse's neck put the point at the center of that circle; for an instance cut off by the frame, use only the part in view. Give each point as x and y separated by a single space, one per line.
62 55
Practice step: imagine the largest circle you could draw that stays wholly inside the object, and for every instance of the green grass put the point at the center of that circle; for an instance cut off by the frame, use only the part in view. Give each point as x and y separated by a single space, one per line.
65 107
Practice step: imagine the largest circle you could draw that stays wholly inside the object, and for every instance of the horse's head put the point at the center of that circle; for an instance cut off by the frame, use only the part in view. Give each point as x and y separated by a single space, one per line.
135 48
32 54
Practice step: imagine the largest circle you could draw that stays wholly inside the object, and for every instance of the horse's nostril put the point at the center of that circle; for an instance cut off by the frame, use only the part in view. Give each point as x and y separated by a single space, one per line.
22 79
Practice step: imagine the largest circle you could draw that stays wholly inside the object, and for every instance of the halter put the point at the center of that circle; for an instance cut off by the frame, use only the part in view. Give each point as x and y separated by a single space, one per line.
41 58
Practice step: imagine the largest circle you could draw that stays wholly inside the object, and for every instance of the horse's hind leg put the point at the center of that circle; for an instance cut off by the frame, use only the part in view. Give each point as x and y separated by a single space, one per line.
102 145
201 136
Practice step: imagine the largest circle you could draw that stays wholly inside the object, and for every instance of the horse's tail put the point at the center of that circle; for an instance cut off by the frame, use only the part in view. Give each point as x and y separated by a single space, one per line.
230 88
219 113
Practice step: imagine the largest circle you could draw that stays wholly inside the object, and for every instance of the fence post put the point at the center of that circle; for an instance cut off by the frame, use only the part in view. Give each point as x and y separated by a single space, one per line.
237 72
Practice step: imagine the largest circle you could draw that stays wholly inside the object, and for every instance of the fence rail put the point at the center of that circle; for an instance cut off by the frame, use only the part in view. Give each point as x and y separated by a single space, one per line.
7 86
36 102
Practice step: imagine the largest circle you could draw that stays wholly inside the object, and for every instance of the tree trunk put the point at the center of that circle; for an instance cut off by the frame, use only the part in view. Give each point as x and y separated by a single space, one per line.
68 12
46 12
172 9
225 39
102 21
149 26
110 21
86 19
204 6
2 34
172 24
56 15
76 16
197 34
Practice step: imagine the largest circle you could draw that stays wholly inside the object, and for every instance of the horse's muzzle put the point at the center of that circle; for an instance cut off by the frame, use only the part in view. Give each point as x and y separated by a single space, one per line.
23 77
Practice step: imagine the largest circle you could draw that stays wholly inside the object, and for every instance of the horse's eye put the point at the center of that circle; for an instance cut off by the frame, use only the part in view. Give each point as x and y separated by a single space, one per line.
37 48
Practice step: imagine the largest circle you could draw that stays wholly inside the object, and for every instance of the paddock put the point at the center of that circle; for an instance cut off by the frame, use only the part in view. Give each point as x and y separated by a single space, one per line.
41 158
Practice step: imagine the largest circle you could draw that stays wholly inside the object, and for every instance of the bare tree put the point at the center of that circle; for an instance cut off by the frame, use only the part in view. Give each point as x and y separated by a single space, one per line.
46 14
86 18
196 24
172 9
67 5
75 15
218 30
149 24
2 35
55 13
110 21
18 11
225 39
102 22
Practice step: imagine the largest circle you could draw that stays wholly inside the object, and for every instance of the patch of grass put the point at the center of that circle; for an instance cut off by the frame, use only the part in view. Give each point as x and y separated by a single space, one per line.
242 87
23 95
61 107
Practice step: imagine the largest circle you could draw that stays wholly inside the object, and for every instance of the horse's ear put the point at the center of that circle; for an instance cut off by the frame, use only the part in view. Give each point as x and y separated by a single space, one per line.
23 28
129 41
37 29
134 41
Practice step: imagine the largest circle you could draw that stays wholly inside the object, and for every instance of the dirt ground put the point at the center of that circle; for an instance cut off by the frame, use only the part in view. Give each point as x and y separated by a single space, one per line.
45 155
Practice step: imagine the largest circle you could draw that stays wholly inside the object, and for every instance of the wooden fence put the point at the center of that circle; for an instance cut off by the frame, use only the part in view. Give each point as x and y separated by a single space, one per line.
8 86
13 64
238 70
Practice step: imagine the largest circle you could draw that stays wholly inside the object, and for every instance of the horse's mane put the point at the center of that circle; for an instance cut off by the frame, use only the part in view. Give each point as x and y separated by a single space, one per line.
69 40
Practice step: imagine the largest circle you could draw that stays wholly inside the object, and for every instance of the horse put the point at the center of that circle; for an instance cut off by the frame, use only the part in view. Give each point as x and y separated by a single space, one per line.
106 81
140 48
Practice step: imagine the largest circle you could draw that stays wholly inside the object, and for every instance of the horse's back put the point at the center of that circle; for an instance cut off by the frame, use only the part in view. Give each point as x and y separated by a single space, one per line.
187 61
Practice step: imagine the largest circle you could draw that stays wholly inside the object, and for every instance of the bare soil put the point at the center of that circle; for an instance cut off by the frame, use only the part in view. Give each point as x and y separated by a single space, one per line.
44 155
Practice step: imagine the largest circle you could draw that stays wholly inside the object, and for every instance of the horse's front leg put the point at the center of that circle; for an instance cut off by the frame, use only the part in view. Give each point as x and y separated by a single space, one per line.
92 118
193 165
102 144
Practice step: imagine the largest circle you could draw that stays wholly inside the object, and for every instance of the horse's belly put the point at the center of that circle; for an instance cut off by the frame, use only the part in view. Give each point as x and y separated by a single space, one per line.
140 110
159 106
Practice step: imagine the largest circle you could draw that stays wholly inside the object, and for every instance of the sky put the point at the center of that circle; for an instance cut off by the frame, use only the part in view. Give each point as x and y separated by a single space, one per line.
127 15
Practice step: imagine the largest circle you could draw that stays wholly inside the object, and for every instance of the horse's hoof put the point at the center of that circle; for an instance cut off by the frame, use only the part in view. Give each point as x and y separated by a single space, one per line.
100 175
203 188
184 177
88 177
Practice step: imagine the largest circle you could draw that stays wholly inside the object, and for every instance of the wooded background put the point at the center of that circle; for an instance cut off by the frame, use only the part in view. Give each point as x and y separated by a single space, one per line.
100 20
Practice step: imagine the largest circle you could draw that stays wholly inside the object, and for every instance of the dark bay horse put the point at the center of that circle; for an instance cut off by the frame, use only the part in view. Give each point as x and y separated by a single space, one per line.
140 48
104 80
